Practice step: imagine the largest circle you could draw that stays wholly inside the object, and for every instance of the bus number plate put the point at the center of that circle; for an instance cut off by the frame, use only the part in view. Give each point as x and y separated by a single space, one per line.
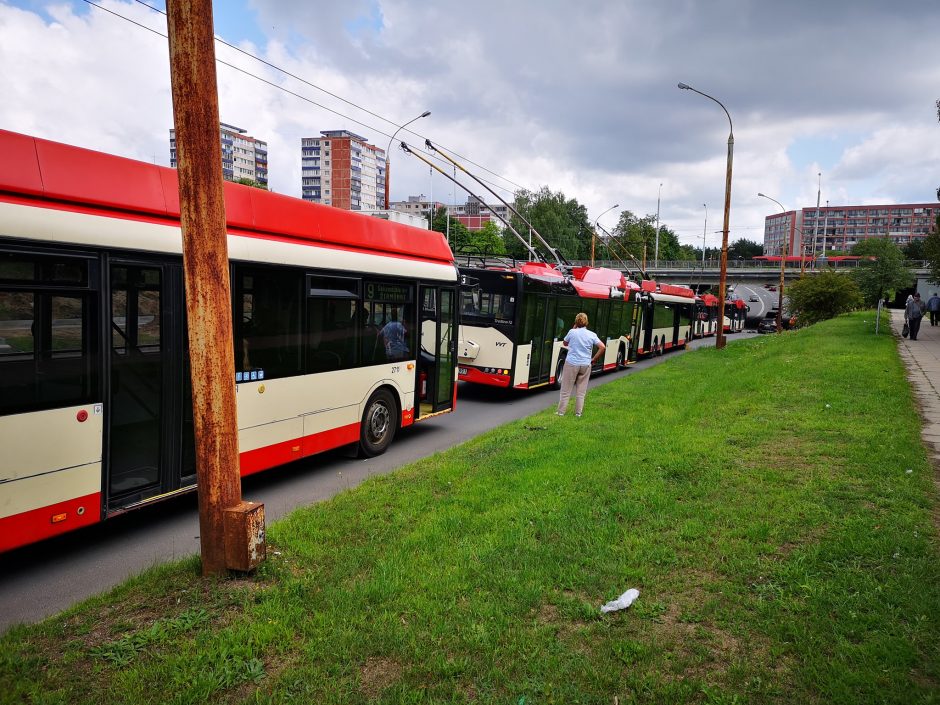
462 371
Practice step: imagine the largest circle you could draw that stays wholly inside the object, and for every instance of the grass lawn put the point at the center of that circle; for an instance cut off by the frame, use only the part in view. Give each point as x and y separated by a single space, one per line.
772 502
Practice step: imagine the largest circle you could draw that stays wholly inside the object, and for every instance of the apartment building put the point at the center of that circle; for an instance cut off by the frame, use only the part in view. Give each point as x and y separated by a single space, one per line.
243 156
472 214
416 205
841 227
342 169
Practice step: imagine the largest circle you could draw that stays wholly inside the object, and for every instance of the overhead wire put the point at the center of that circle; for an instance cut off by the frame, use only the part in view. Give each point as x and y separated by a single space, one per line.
323 90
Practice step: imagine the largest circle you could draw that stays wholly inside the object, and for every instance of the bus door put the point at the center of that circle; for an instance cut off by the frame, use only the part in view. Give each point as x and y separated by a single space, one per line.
149 426
602 328
435 383
539 330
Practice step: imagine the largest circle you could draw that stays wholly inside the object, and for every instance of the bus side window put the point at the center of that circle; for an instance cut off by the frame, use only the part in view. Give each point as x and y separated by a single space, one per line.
268 303
47 337
334 323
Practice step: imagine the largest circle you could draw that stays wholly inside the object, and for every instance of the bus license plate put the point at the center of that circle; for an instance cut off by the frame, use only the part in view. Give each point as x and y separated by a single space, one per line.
462 371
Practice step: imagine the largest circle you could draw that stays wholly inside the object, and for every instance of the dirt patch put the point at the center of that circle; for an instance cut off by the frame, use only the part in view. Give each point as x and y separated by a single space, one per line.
377 674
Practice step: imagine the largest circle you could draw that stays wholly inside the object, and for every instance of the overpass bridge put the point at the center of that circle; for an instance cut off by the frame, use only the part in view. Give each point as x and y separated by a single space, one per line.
699 277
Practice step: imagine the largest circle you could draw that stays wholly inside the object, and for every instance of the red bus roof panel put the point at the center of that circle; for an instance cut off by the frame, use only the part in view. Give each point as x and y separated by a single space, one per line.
82 175
60 172
19 168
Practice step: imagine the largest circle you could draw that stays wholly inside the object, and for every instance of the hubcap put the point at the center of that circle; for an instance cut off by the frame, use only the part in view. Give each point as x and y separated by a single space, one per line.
379 421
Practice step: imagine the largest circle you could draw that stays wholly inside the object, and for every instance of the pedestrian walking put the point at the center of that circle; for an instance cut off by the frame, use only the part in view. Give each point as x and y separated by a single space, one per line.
577 371
933 307
913 312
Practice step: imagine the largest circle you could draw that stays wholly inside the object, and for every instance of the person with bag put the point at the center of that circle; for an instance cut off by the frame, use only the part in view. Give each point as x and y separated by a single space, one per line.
577 371
913 312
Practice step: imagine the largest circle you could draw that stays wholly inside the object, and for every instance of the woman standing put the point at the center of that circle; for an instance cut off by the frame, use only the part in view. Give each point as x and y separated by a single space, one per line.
577 371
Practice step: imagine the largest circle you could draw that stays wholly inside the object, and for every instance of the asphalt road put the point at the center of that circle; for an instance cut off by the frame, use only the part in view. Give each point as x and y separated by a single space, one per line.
767 300
41 580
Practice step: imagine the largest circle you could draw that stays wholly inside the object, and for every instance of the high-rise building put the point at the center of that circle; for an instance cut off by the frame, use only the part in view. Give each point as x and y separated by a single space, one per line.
841 227
342 169
243 156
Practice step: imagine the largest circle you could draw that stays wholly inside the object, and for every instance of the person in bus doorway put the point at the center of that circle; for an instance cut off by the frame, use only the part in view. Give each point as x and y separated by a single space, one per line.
577 371
913 312
393 334
933 307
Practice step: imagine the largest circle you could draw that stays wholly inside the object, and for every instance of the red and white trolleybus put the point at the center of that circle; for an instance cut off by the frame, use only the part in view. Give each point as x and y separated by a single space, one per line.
514 318
344 329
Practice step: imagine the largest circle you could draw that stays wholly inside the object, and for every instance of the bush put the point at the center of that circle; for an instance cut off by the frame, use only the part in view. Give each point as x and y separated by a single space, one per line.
816 297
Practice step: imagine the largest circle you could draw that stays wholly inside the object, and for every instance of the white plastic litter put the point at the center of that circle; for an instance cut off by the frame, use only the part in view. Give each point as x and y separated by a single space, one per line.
622 602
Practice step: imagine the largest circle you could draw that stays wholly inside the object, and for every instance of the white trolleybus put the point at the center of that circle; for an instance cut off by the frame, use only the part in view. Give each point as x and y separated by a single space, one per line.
344 329
514 318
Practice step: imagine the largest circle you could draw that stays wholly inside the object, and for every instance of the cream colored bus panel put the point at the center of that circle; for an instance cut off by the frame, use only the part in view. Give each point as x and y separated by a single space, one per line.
51 488
491 348
270 401
45 441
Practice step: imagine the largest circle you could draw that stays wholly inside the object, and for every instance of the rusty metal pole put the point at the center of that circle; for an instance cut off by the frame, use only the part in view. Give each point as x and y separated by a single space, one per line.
205 265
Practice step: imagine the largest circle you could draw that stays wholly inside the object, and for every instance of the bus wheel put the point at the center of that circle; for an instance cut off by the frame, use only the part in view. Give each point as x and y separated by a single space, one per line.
621 358
378 424
559 369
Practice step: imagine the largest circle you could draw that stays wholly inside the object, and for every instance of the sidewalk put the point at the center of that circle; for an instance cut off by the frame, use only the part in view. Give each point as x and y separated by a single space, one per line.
922 359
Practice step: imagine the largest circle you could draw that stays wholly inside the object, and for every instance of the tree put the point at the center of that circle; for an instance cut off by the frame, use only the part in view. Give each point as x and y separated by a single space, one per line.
245 181
814 298
488 240
914 250
932 254
879 278
634 236
458 236
745 249
562 221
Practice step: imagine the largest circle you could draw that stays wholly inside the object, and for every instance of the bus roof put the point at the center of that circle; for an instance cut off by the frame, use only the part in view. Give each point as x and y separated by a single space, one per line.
62 174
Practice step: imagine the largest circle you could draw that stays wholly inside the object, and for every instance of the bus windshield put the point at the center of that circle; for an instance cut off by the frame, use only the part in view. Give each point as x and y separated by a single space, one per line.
493 299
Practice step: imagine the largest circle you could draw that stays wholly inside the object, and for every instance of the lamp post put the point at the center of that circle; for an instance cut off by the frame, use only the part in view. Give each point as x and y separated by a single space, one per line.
656 253
594 230
783 260
704 229
722 279
388 173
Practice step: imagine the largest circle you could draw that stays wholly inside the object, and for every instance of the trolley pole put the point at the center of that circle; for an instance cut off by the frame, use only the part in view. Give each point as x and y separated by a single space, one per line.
206 273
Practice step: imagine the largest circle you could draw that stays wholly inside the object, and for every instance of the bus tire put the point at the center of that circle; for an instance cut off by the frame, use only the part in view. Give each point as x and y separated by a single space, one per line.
379 423
621 357
559 369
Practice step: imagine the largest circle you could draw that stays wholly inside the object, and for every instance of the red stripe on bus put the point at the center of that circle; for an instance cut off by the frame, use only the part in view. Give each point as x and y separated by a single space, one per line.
480 377
36 524
610 366
259 459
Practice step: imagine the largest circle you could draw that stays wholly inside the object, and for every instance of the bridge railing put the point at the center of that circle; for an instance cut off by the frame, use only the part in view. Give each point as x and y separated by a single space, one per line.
740 264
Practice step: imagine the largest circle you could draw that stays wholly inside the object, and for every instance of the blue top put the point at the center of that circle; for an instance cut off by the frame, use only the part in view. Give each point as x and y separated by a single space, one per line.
394 334
581 342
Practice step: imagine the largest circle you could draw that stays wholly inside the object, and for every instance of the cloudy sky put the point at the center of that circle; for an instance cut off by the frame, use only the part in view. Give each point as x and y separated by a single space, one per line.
580 96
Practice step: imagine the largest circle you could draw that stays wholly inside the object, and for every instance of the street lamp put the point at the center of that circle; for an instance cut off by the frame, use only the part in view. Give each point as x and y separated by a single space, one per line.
656 253
704 228
594 230
388 173
720 337
783 260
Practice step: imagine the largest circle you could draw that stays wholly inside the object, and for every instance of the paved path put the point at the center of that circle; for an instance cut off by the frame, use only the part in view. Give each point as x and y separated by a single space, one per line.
922 359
